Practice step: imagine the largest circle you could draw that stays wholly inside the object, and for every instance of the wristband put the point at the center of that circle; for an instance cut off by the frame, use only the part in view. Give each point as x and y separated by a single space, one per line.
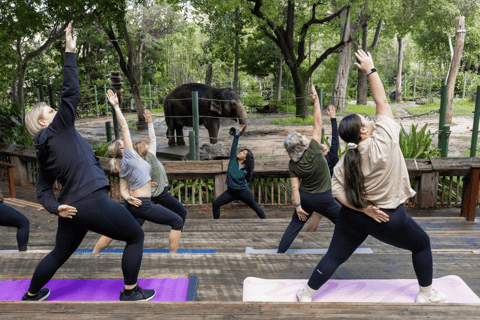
298 204
371 71
128 198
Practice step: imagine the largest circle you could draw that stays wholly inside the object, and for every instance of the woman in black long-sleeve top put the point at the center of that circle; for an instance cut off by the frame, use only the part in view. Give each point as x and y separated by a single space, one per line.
83 203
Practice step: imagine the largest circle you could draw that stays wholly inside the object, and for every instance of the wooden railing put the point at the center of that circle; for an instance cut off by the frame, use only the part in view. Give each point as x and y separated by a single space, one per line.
437 181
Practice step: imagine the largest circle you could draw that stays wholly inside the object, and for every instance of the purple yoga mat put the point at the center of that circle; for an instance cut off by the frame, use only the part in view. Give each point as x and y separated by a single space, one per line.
96 289
399 290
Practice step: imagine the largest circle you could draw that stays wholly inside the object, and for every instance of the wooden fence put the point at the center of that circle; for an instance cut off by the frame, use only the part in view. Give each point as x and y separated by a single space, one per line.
437 181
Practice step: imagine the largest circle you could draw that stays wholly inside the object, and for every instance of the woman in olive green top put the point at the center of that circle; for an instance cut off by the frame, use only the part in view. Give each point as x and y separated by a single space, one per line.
310 177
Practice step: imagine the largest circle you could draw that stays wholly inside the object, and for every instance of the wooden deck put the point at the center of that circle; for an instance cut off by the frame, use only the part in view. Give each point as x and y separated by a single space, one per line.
455 243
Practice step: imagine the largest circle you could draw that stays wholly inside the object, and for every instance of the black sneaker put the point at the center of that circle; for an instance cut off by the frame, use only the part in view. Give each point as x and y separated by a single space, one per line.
40 296
138 294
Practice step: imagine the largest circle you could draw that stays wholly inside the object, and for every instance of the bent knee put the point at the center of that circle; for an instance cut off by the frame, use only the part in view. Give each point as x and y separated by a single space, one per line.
177 224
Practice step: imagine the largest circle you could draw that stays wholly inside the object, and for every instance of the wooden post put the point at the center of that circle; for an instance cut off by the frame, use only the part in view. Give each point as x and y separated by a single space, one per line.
427 190
457 57
221 187
470 192
20 171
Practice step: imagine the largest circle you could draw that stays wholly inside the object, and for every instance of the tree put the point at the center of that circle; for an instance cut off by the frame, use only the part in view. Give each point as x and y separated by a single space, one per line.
23 21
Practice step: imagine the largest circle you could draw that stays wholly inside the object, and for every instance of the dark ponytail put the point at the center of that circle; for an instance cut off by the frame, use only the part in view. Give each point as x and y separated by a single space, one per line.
249 165
349 130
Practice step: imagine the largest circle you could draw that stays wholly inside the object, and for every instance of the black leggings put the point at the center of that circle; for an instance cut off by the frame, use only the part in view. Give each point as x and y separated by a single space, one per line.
322 202
244 195
98 213
10 217
156 214
353 227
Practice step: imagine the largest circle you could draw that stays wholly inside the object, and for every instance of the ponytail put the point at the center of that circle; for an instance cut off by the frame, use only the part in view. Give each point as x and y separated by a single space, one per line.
115 165
349 130
249 165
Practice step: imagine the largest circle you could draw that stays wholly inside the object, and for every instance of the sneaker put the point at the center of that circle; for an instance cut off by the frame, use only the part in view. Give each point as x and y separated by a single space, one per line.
436 297
40 296
138 294
303 298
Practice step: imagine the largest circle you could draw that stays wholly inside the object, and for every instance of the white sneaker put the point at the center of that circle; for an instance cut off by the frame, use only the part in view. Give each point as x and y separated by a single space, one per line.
436 297
303 298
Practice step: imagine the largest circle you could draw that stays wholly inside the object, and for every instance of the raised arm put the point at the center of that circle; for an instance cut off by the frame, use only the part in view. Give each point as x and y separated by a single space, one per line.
152 145
317 117
378 91
333 153
65 117
233 150
127 140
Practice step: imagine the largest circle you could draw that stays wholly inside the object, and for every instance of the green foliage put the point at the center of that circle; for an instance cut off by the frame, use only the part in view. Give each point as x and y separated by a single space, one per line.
11 131
198 185
417 145
446 189
294 120
460 107
362 109
327 141
101 150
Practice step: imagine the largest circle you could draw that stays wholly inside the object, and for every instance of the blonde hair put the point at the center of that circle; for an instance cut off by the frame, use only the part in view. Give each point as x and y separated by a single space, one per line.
295 146
116 153
141 148
32 117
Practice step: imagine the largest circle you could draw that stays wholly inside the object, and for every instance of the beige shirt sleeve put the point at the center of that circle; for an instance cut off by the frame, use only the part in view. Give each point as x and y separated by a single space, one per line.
338 187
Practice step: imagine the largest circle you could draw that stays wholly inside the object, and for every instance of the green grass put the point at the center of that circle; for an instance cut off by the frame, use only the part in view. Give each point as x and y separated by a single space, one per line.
253 116
465 138
460 107
157 110
294 120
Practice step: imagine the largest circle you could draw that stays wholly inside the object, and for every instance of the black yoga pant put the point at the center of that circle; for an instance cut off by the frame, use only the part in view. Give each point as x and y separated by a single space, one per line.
10 217
156 214
244 195
322 202
353 227
98 213
170 202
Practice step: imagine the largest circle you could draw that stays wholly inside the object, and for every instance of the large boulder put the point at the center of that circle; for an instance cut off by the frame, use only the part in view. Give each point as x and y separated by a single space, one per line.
210 151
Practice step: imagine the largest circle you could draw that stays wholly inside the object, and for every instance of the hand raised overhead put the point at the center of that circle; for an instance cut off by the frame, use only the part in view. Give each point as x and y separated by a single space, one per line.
366 62
71 41
112 97
314 94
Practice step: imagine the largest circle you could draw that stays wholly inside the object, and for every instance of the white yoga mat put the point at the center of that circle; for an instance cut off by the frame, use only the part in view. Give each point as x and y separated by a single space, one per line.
400 290
323 251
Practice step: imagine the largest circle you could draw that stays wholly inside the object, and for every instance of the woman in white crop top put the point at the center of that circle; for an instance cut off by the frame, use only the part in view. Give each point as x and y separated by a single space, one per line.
135 181
371 182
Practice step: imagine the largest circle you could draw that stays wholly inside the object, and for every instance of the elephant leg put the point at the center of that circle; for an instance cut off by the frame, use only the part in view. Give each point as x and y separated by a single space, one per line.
179 130
212 128
171 135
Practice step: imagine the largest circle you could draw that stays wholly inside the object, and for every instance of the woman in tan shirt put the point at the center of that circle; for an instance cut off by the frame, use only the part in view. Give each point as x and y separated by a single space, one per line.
371 182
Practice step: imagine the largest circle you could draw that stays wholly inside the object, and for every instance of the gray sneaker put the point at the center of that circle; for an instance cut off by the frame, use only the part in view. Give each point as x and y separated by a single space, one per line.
436 297
138 294
40 296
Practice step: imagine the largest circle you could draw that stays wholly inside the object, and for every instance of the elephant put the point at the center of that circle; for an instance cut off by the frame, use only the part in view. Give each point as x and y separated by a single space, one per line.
213 103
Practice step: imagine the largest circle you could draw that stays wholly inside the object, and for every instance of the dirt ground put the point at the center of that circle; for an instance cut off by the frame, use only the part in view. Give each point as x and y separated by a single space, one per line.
266 140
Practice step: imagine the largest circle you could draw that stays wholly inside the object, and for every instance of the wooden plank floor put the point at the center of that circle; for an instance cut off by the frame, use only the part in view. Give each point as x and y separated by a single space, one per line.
455 244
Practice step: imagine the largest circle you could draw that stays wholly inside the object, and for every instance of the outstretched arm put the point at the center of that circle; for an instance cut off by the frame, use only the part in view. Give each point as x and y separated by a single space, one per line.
378 91
317 117
152 145
233 150
65 118
127 140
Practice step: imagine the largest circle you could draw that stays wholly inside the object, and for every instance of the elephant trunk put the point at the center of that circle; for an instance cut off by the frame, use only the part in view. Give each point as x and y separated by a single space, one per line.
242 115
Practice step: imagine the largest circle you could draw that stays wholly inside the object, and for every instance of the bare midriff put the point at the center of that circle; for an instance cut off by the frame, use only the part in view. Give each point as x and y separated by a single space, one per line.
143 192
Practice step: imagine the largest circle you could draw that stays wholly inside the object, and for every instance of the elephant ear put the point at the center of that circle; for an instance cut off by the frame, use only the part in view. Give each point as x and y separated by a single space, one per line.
215 106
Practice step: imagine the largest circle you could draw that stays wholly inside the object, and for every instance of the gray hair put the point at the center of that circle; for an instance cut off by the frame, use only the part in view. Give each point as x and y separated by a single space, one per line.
32 117
295 146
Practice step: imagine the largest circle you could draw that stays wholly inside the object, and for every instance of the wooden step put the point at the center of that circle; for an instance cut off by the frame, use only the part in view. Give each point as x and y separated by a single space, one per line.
234 310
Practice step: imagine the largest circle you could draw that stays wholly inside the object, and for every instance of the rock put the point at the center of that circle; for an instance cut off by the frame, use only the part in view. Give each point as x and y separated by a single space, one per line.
209 151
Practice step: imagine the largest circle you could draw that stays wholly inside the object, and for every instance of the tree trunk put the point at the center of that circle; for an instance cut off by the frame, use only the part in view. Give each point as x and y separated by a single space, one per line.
457 57
260 89
341 80
362 91
235 68
209 75
140 58
18 96
398 89
279 80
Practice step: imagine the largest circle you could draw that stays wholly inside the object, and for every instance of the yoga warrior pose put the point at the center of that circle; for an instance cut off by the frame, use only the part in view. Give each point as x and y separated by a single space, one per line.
371 181
239 173
10 217
308 164
135 181
83 203
160 194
